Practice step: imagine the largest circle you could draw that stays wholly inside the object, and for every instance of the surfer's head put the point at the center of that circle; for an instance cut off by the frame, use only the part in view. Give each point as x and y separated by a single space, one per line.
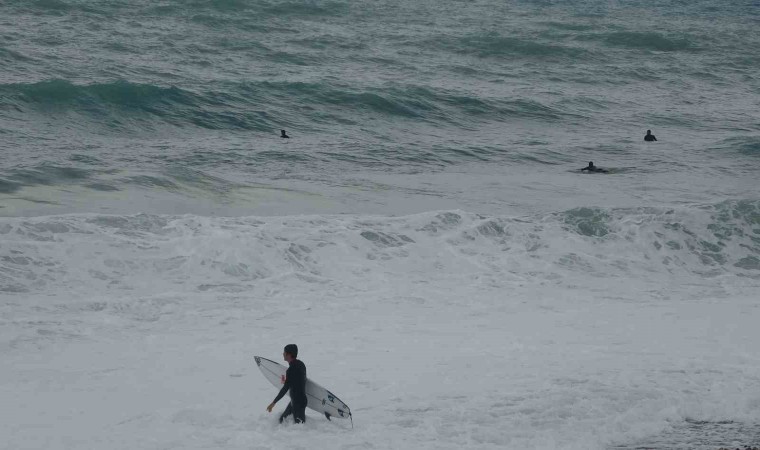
591 163
648 132
290 352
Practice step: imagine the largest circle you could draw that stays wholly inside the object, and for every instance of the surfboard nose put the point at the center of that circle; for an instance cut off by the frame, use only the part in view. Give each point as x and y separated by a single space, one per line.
258 360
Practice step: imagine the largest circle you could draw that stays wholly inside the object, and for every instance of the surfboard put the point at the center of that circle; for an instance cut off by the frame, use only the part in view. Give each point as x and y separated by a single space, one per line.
318 398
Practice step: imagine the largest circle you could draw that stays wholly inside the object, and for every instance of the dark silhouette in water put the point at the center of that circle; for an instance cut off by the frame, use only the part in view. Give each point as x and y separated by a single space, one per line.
592 168
649 137
284 135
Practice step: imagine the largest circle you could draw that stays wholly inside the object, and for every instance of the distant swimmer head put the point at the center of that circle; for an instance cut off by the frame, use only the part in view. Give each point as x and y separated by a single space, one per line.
283 134
591 163
291 350
649 132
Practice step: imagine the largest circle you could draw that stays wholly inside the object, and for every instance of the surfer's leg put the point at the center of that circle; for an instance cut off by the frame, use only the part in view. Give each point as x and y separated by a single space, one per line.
287 412
299 412
300 415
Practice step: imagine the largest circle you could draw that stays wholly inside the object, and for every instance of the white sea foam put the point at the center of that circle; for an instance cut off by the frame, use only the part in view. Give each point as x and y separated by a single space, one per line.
580 329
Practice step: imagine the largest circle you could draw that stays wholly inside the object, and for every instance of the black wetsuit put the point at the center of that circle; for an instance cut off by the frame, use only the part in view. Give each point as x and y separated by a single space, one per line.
649 138
295 382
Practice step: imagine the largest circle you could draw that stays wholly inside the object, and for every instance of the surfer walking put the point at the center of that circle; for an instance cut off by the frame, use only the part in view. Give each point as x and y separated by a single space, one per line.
294 381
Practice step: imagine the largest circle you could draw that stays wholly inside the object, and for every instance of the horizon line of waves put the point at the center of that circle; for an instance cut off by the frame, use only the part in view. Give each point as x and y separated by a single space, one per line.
168 252
304 8
123 105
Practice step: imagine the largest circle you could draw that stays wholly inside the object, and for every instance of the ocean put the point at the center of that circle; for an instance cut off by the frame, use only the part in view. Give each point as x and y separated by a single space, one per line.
425 235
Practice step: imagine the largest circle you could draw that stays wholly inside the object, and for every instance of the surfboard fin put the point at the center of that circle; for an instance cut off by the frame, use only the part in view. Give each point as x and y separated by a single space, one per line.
328 416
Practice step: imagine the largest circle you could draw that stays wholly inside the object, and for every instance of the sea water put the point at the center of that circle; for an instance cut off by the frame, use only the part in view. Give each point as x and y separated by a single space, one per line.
425 235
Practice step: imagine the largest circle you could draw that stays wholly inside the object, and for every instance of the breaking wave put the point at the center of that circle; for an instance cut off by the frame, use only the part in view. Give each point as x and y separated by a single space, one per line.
126 253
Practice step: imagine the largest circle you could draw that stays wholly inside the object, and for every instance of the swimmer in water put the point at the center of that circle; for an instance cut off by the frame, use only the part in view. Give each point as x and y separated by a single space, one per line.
649 137
284 135
592 168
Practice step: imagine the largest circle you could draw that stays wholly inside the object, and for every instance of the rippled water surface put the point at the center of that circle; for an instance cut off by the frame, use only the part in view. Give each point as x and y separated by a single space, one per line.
179 103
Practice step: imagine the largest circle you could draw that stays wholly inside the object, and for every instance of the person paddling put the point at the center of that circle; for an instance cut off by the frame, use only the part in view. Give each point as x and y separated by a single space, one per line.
592 168
294 381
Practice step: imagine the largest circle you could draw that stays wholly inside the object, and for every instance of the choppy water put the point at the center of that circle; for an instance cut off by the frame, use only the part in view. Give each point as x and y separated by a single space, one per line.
183 101
415 126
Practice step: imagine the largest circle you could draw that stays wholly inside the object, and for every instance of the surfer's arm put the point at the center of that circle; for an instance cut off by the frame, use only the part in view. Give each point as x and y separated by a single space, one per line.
283 391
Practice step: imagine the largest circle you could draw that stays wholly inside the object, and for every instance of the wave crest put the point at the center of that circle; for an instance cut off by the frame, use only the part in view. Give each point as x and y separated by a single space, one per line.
190 252
122 104
258 105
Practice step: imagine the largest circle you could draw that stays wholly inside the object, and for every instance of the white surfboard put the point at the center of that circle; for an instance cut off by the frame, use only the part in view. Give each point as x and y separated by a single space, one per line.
318 398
